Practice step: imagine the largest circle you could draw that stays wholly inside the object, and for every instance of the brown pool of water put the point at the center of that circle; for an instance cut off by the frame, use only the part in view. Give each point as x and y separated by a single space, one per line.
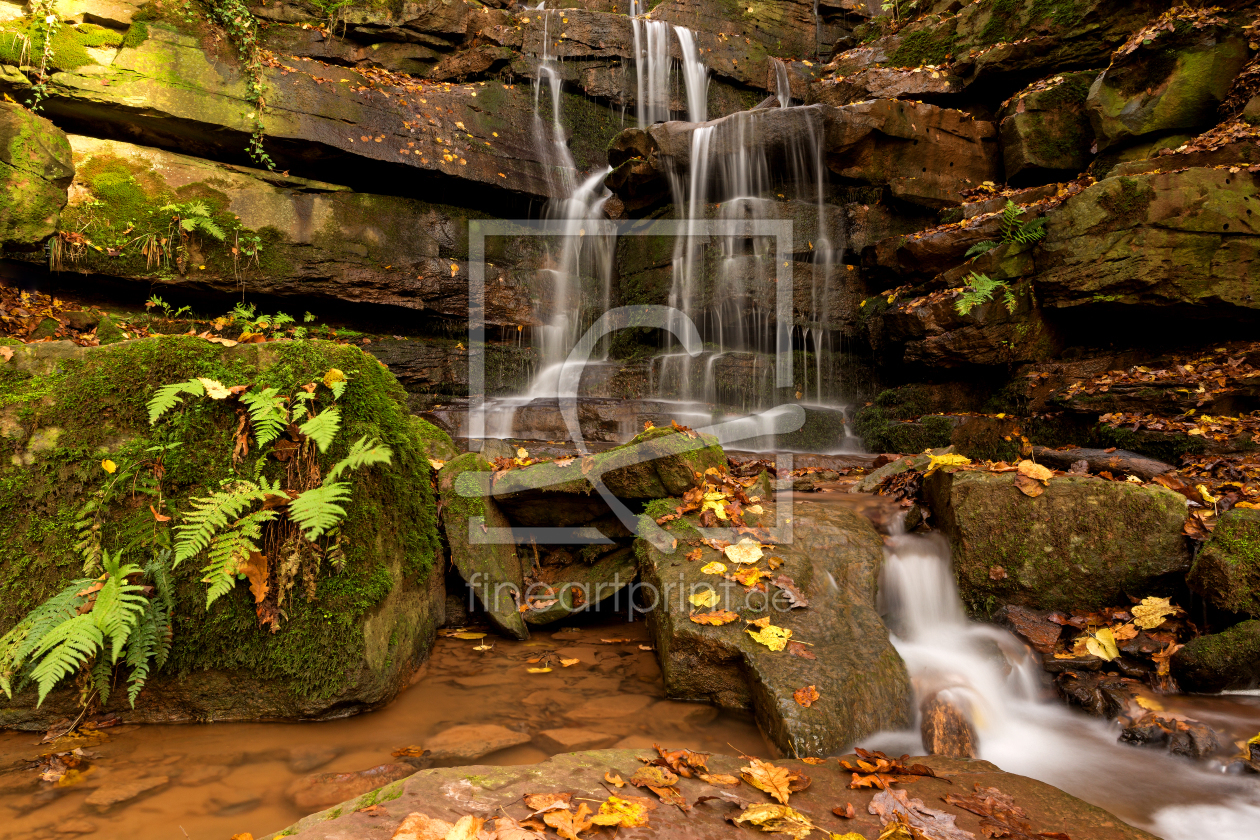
226 778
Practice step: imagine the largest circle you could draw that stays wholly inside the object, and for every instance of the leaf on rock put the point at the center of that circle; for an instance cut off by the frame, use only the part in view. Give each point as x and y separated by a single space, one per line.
747 576
716 618
937 461
999 815
506 828
776 819
764 776
745 551
796 599
467 828
705 598
417 826
695 554
845 813
1030 487
1152 612
714 568
653 776
614 780
806 696
468 635
541 802
798 649
569 824
895 806
1103 645
685 763
622 812
772 636
719 779
1035 471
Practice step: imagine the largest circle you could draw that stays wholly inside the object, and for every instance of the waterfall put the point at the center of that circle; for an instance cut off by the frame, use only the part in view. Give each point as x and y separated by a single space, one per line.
996 681
653 67
695 76
782 85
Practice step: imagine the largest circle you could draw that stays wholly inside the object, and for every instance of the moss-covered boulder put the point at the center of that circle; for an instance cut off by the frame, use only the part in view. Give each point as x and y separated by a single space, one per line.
1046 135
35 172
487 561
1171 238
560 591
833 560
284 237
1226 661
1226 570
346 638
1083 543
1171 82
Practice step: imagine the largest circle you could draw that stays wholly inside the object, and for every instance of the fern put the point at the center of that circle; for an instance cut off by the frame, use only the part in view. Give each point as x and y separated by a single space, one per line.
1020 233
211 514
167 397
231 548
981 248
66 647
978 289
323 427
319 509
266 412
362 453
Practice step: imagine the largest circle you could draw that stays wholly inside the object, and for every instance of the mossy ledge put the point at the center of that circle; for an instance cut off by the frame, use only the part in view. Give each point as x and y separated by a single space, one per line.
64 408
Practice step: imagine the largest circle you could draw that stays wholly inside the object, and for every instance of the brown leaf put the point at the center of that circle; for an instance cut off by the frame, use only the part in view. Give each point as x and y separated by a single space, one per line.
695 554
255 568
685 763
1029 486
846 813
719 779
806 696
537 802
716 618
765 776
653 776
796 600
614 780
801 650
569 824
417 826
506 828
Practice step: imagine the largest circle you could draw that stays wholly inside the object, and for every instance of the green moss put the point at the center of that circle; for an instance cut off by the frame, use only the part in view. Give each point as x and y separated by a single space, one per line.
22 43
925 46
319 647
137 33
1128 198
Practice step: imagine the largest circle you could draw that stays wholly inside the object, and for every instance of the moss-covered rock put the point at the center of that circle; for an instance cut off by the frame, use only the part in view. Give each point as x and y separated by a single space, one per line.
488 561
1171 83
1083 543
35 172
1226 661
348 640
1045 131
834 559
1227 569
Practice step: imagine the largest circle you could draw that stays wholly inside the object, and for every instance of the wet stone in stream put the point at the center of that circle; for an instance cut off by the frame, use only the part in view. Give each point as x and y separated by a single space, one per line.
217 780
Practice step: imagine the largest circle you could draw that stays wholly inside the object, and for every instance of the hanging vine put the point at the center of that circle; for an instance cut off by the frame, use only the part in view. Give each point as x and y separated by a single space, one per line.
242 30
44 25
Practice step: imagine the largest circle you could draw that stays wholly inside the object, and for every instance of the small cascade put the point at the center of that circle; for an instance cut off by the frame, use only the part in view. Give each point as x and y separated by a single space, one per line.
695 76
653 68
782 84
995 680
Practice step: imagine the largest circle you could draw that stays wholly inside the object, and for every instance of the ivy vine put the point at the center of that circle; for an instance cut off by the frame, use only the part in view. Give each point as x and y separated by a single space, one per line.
243 31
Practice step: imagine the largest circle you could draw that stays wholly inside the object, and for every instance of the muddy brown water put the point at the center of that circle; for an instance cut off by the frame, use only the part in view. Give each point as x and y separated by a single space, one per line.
227 778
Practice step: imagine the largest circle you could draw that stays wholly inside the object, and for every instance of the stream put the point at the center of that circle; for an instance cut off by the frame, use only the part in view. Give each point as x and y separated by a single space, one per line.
221 779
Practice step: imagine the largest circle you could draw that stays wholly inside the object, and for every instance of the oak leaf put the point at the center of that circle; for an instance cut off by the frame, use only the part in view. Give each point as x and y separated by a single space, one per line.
569 824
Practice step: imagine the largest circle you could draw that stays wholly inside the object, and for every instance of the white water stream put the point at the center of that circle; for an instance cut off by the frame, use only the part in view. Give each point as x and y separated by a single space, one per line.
997 681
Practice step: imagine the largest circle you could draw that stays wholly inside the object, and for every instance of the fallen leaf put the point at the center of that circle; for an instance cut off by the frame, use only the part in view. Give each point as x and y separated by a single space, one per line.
506 828
695 554
1030 487
704 598
539 802
798 649
1035 471
896 806
813 760
417 826
565 663
569 824
796 600
466 634
1152 612
714 568
847 812
1103 645
768 777
538 670
109 466
614 780
772 636
776 819
621 812
652 776
716 618
436 464
255 568
720 779
745 551
468 828
935 462
215 390
806 696
6 353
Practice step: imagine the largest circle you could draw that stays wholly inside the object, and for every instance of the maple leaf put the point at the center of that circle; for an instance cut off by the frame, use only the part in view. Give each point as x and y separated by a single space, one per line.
1152 612
806 696
569 824
776 819
764 776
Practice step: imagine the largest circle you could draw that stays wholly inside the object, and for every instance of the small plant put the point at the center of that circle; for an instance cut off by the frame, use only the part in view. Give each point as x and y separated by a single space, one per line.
1014 231
168 313
242 30
194 217
45 26
248 319
978 289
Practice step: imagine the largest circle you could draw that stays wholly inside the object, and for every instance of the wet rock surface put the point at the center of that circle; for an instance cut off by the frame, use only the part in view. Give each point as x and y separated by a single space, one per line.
481 791
834 561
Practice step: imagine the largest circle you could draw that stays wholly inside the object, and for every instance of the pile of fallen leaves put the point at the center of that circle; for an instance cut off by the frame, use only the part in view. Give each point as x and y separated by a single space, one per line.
1153 629
1198 17
31 317
720 496
1210 375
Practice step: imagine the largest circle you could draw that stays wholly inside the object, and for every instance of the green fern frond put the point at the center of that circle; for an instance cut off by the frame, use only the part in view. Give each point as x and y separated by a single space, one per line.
230 549
11 644
118 603
323 427
981 248
319 509
142 649
64 650
203 225
1019 232
266 412
211 514
363 452
1008 299
102 674
977 289
167 397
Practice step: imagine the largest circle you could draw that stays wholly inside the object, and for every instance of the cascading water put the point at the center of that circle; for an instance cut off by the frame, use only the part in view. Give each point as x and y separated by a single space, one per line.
995 680
651 67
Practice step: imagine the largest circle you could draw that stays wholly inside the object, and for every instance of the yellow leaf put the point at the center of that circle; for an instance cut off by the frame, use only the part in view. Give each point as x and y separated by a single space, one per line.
714 568
1149 703
776 781
565 663
716 618
772 636
538 670
109 466
214 389
468 828
436 464
938 461
1103 645
1036 471
754 509
468 635
745 551
521 453
1152 612
617 811
614 780
777 819
705 598
1207 497
454 267
332 377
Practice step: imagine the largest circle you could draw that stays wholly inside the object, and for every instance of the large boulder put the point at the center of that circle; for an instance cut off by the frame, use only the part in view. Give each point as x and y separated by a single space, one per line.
35 172
1046 135
437 798
314 241
1183 238
1172 81
1226 570
833 560
1226 661
347 637
489 565
1083 543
